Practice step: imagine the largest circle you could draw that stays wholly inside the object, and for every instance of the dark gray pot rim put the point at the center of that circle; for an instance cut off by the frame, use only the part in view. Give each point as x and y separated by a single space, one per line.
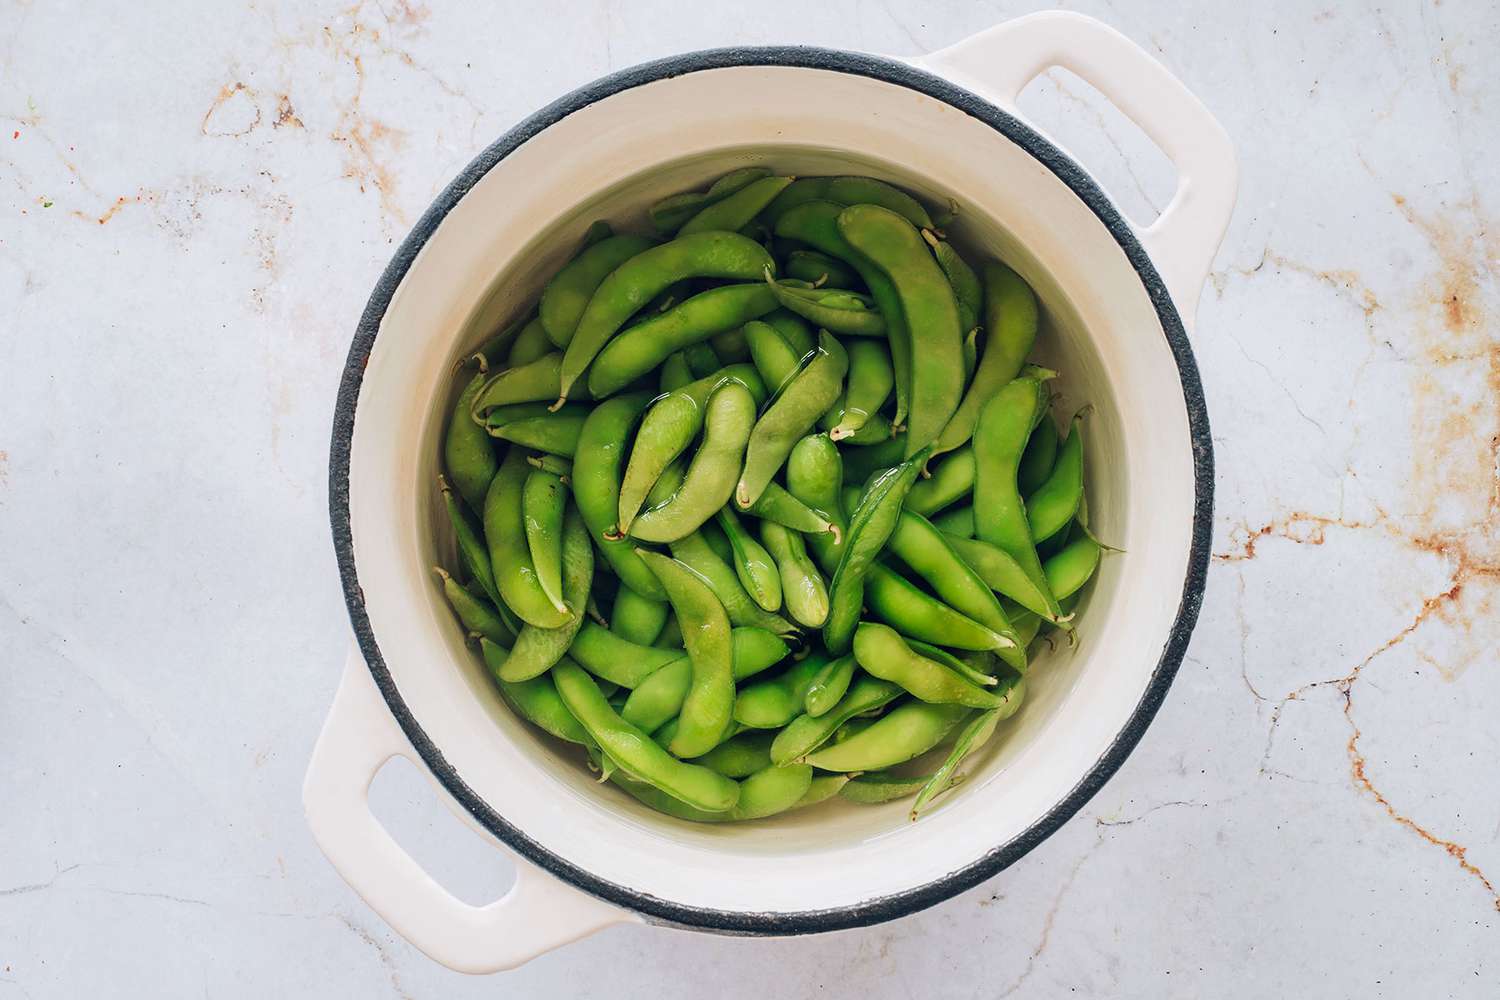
885 907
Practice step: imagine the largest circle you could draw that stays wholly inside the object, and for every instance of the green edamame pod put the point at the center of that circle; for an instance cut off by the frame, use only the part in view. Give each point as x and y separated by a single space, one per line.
869 528
495 352
736 211
974 734
710 477
1071 568
533 382
780 507
894 599
473 611
851 190
806 733
569 291
967 292
468 454
537 649
598 231
860 463
926 300
802 588
1004 426
718 541
535 700
952 479
1002 574
771 704
542 501
873 788
472 551
1039 457
596 487
793 329
924 548
671 635
791 414
1010 322
981 671
775 359
510 559
634 752
882 653
635 618
555 434
695 551
816 223
907 731
837 310
619 661
822 788
658 698
531 344
955 521
705 631
638 280
829 685
739 756
814 475
876 429
675 372
752 563
820 269
765 793
971 354
871 380
1051 508
560 467
670 213
730 345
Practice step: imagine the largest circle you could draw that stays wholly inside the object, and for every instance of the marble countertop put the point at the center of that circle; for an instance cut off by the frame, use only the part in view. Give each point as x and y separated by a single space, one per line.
195 207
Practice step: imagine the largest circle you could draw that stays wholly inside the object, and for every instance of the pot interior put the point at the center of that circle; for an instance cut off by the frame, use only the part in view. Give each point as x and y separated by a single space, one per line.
486 263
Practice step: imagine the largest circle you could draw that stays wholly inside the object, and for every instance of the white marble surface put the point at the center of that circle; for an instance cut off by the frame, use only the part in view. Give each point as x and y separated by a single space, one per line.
196 204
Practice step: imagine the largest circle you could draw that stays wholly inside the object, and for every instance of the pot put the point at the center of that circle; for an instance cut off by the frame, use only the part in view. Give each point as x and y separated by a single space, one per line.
1116 303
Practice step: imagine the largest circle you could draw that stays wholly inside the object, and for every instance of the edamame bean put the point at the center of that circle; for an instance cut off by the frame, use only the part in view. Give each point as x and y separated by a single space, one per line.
635 282
822 788
739 756
705 631
871 380
710 477
658 698
542 501
738 209
869 528
926 300
634 751
771 704
829 684
1004 426
537 649
884 654
816 223
619 661
806 733
1051 508
839 311
1039 457
1010 323
468 454
819 269
791 414
641 348
1071 568
907 731
967 292
793 329
752 563
775 359
780 507
802 588
569 291
515 575
636 618
894 599
670 213
535 700
596 487
473 611
695 551
531 344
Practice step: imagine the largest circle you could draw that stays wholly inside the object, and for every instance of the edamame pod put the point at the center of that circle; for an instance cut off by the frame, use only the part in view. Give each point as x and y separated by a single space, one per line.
670 213
780 507
738 209
596 487
739 756
875 787
1071 568
806 733
850 190
472 550
829 685
635 618
1051 508
802 588
771 704
819 269
710 477
837 310
862 462
775 359
814 475
537 649
1039 457
967 292
752 563
955 521
638 280
952 479
515 575
884 654
658 698
1002 574
634 751
696 552
974 734
619 661
675 373
791 414
468 454
569 291
556 434
894 599
534 382
705 631
908 730
531 344
1010 322
542 501
535 700
473 611
871 380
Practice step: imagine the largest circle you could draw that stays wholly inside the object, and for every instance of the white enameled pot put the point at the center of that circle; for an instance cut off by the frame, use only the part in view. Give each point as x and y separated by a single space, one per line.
1115 301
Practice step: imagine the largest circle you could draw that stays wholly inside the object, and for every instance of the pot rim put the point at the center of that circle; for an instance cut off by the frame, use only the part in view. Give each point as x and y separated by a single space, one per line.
997 859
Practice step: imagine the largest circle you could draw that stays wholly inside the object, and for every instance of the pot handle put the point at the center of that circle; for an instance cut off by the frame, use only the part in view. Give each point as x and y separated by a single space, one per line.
1000 62
538 914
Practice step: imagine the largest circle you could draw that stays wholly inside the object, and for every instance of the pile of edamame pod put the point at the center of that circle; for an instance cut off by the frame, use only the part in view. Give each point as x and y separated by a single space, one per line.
766 506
